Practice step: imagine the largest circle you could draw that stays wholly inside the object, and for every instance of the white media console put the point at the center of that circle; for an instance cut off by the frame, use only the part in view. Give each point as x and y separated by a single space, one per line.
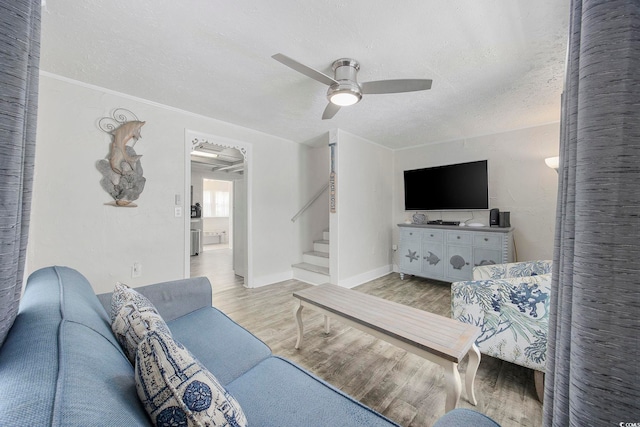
449 253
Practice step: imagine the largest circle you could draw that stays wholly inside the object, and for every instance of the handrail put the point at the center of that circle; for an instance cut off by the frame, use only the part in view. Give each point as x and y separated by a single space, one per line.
310 202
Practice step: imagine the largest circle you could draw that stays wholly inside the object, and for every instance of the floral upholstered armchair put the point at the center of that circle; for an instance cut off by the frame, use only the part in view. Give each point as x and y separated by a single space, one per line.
510 304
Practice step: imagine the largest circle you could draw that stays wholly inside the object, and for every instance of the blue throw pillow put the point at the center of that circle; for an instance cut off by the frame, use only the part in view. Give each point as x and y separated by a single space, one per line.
176 390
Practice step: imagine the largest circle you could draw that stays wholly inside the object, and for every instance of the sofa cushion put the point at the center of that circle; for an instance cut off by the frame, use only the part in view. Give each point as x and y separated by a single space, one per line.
174 298
513 315
61 364
132 323
278 393
220 344
512 269
465 417
176 389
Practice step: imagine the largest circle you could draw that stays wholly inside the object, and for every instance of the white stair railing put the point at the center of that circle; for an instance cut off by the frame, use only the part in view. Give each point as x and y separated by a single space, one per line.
310 202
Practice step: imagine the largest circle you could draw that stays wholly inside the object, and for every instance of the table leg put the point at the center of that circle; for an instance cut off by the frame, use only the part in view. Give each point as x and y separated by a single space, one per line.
470 376
453 385
327 325
298 315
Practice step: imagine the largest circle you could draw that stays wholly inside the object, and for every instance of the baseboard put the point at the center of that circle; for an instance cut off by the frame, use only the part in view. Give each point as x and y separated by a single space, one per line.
271 279
359 279
350 282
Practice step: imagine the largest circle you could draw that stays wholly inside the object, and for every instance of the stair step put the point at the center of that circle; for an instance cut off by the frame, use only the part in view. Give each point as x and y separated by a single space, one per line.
316 253
312 267
303 273
316 258
321 246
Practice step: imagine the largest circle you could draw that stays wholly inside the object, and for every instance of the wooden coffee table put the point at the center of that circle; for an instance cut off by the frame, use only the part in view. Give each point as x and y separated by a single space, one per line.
436 338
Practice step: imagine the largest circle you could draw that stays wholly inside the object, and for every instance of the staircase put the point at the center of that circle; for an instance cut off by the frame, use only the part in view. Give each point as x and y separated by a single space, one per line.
314 267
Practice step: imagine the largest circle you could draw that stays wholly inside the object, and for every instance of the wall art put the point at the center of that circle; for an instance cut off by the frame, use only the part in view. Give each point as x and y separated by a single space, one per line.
121 170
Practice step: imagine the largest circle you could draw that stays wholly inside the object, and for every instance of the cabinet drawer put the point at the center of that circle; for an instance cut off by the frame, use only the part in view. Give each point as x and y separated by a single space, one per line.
410 234
459 238
488 240
432 235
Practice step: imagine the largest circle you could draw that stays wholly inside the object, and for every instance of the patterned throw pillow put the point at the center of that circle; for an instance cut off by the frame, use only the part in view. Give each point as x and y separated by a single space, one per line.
133 316
176 390
123 294
132 324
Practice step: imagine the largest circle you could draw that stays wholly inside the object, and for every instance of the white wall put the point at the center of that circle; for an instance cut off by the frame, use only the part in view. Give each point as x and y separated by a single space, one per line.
519 182
71 225
361 229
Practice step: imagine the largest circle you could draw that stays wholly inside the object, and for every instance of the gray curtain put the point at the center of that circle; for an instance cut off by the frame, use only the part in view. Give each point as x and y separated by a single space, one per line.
19 63
593 374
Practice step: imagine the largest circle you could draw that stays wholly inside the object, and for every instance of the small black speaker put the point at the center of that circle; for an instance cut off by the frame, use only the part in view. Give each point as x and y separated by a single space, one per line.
505 219
494 217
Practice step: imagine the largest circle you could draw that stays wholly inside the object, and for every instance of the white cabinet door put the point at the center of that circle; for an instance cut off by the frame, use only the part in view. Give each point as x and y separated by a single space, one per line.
433 253
410 251
459 262
484 256
432 259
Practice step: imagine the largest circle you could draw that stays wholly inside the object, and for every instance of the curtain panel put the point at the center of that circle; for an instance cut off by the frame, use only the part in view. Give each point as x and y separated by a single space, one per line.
593 375
19 67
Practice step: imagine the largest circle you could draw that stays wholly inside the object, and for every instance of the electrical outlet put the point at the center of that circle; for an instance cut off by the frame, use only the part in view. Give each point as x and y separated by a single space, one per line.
394 247
178 211
136 269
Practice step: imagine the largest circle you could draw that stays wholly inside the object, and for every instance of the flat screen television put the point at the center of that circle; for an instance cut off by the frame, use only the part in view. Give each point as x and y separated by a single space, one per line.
462 186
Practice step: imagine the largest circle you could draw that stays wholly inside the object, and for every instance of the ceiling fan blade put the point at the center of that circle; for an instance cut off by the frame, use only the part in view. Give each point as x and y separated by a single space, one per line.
395 86
301 68
330 111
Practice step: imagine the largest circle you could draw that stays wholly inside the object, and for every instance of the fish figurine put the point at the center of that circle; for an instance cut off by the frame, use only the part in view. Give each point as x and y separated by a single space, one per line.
121 136
432 258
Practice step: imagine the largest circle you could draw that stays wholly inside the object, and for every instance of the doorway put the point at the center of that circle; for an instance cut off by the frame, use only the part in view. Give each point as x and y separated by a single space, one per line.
217 171
217 214
215 258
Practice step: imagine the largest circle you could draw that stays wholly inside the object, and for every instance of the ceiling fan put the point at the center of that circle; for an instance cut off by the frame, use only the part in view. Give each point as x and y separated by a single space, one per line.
344 88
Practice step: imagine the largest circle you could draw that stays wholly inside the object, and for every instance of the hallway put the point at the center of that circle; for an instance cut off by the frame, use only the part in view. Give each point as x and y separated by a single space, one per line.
216 263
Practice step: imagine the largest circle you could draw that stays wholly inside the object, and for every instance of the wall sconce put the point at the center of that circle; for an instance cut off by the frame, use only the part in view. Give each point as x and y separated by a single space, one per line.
553 162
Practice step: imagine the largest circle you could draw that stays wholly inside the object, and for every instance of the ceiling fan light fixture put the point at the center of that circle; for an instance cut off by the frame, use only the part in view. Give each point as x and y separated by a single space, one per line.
344 99
344 94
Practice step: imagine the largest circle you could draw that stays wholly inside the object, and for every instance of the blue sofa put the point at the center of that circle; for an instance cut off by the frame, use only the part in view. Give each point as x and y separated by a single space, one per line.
61 365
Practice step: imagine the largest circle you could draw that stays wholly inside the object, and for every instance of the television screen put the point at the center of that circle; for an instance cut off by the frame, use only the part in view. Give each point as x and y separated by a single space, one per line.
451 187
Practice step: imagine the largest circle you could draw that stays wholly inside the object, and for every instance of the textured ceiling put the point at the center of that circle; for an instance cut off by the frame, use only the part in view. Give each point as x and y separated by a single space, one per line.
496 65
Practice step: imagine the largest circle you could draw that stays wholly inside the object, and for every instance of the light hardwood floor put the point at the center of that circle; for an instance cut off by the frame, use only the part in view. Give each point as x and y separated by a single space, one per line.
400 385
217 265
